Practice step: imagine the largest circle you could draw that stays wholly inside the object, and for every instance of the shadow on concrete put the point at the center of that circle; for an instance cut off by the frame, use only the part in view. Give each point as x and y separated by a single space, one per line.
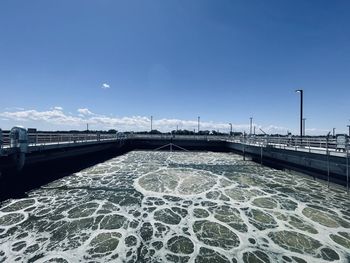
15 185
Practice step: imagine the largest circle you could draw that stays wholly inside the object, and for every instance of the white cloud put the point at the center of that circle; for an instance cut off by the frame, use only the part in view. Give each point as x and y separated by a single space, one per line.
84 111
56 118
13 108
57 108
105 86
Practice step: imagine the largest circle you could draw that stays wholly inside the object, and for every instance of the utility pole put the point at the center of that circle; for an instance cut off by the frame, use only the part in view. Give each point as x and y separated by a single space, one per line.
250 126
301 112
199 119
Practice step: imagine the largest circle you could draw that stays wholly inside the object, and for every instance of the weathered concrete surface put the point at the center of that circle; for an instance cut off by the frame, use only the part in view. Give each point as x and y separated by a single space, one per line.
313 164
51 163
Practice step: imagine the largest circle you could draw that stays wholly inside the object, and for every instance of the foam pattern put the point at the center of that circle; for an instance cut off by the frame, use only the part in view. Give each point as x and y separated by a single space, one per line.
178 207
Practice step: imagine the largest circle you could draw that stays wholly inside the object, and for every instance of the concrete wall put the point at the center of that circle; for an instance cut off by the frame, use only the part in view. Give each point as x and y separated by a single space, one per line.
188 144
313 164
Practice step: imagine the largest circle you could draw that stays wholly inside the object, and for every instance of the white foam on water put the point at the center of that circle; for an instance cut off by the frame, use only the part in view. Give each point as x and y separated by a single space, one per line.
161 207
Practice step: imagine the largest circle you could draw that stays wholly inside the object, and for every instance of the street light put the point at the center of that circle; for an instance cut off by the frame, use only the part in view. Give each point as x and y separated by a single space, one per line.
250 126
301 112
230 128
199 119
304 120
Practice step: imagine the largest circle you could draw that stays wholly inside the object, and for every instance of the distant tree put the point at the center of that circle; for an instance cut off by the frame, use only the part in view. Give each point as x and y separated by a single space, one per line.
206 132
112 131
155 132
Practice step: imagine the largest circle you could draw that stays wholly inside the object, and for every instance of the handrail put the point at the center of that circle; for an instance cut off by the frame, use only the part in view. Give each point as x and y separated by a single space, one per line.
35 139
309 144
320 145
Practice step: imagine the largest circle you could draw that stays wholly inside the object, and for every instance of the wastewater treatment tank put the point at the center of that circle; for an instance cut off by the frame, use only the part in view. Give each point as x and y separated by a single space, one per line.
178 207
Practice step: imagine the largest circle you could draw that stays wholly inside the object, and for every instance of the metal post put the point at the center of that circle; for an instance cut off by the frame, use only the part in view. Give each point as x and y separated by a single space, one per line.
301 112
347 167
250 126
244 147
304 119
327 152
151 123
261 153
349 129
230 129
199 118
333 132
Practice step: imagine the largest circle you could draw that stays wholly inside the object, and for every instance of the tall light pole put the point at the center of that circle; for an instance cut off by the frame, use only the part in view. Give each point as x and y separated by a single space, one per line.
301 112
250 126
199 119
230 128
304 120
151 123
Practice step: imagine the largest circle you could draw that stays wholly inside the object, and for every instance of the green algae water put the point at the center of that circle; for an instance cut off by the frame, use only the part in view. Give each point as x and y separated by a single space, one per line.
178 207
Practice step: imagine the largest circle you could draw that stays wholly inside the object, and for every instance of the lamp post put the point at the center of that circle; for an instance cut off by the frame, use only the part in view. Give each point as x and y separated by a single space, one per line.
304 120
151 123
301 112
230 128
250 126
199 119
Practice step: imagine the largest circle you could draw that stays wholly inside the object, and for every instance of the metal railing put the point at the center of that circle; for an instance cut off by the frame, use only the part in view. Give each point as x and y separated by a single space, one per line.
179 137
35 139
309 144
320 145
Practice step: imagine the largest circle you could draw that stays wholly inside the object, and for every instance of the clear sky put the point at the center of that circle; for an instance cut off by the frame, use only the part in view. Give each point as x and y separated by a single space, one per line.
115 63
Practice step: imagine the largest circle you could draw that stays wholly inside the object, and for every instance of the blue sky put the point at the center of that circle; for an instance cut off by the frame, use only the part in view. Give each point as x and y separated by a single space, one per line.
222 60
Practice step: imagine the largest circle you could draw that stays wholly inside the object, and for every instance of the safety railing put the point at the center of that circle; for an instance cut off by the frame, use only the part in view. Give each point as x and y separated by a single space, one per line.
322 145
309 144
36 139
179 137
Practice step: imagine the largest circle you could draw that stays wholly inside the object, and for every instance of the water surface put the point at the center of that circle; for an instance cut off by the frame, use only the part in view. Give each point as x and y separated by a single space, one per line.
178 207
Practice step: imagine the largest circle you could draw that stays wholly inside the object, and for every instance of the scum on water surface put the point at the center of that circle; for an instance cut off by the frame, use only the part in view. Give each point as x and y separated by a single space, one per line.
178 207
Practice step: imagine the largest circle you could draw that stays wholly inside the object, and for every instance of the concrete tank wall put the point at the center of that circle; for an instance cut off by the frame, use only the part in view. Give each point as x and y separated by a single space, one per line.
313 164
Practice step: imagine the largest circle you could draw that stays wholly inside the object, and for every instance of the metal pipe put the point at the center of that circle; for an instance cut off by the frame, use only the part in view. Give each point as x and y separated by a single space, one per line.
347 167
327 153
244 147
